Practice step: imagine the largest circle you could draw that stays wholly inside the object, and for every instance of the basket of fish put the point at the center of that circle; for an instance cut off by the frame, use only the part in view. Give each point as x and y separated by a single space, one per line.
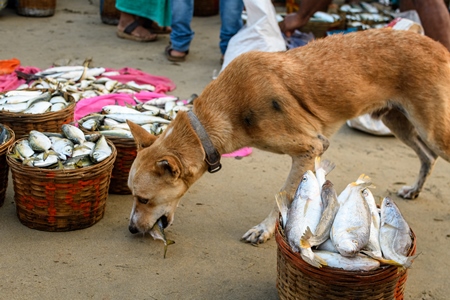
7 137
36 109
61 180
344 246
153 115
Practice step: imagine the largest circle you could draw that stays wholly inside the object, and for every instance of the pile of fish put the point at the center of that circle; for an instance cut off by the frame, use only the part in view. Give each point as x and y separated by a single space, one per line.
33 101
154 116
82 81
345 231
4 135
69 150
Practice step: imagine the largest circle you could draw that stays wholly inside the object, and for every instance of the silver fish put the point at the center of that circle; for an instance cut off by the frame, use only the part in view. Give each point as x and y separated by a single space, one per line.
101 150
137 118
63 147
38 108
351 227
323 229
120 133
15 108
23 93
83 149
359 262
118 109
77 162
39 141
374 239
305 211
20 98
41 161
157 232
73 133
24 149
395 235
57 106
328 246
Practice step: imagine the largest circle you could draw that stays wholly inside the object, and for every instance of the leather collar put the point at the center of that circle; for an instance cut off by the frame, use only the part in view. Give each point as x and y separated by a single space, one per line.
212 155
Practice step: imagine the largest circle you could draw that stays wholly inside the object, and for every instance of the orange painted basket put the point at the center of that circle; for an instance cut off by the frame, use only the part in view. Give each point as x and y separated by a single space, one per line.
4 168
297 279
61 200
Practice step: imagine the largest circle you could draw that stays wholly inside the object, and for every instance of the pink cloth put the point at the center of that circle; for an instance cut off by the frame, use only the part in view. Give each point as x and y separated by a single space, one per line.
239 153
95 104
11 81
162 84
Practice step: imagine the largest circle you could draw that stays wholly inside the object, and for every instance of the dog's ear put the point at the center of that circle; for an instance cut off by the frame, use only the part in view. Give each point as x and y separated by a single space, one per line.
142 137
169 165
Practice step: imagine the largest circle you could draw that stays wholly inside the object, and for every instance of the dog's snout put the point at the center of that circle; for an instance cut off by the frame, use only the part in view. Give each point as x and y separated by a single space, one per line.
133 229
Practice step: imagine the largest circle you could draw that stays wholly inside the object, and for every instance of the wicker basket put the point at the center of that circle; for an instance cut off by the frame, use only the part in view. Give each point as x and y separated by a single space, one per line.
206 8
23 123
36 8
61 200
297 279
108 12
4 168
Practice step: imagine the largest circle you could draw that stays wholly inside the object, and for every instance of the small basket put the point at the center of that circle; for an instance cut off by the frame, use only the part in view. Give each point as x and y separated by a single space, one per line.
296 279
4 168
61 200
108 12
206 8
36 8
23 123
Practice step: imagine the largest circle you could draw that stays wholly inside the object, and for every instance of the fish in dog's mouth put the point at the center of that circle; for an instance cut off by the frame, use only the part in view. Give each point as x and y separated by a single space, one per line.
163 222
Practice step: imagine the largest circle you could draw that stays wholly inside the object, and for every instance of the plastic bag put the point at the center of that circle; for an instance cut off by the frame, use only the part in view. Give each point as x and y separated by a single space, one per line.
261 32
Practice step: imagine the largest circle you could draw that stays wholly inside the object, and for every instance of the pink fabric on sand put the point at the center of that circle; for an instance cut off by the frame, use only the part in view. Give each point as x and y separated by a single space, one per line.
9 82
239 153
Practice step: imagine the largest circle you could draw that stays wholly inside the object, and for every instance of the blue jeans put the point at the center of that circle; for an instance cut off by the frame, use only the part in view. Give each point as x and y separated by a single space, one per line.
230 16
182 34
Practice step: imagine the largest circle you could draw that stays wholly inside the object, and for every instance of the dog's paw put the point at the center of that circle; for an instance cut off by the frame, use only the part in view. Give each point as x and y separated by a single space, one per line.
408 192
257 235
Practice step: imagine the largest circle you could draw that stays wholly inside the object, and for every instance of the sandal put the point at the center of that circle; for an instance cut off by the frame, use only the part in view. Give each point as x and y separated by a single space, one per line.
126 34
152 26
170 57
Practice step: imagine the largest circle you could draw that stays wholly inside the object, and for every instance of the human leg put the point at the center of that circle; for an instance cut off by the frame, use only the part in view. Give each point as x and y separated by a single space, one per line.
129 28
182 34
230 16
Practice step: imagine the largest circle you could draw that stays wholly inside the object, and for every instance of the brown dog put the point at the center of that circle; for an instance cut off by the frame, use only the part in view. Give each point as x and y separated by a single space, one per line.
304 95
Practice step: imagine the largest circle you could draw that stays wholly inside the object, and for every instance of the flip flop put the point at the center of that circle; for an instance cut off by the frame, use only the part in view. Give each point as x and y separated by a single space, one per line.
175 58
126 34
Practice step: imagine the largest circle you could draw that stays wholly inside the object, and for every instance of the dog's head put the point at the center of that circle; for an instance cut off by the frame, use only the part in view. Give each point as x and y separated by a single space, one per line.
159 177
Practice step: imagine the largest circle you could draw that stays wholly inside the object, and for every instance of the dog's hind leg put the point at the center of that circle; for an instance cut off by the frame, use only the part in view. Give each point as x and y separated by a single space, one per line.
402 128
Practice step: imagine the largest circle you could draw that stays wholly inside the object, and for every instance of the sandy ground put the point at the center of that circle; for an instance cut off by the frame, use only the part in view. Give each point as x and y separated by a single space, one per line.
208 260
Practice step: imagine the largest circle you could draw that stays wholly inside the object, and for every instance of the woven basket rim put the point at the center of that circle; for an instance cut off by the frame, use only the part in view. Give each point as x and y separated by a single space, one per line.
14 164
5 146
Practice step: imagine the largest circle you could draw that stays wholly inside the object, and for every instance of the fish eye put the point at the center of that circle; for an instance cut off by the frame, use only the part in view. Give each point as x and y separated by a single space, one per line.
142 200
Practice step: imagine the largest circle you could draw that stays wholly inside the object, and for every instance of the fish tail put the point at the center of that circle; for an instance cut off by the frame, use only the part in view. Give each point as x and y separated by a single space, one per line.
304 240
363 180
281 200
315 262
410 260
327 166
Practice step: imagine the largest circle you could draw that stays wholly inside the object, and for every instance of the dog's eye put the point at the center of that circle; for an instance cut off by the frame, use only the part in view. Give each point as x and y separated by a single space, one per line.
142 200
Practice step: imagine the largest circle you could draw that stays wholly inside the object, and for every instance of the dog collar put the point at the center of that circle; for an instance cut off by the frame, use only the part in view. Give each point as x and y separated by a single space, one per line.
212 155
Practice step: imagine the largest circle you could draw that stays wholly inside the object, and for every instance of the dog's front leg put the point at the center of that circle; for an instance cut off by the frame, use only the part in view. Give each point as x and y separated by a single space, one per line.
300 164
